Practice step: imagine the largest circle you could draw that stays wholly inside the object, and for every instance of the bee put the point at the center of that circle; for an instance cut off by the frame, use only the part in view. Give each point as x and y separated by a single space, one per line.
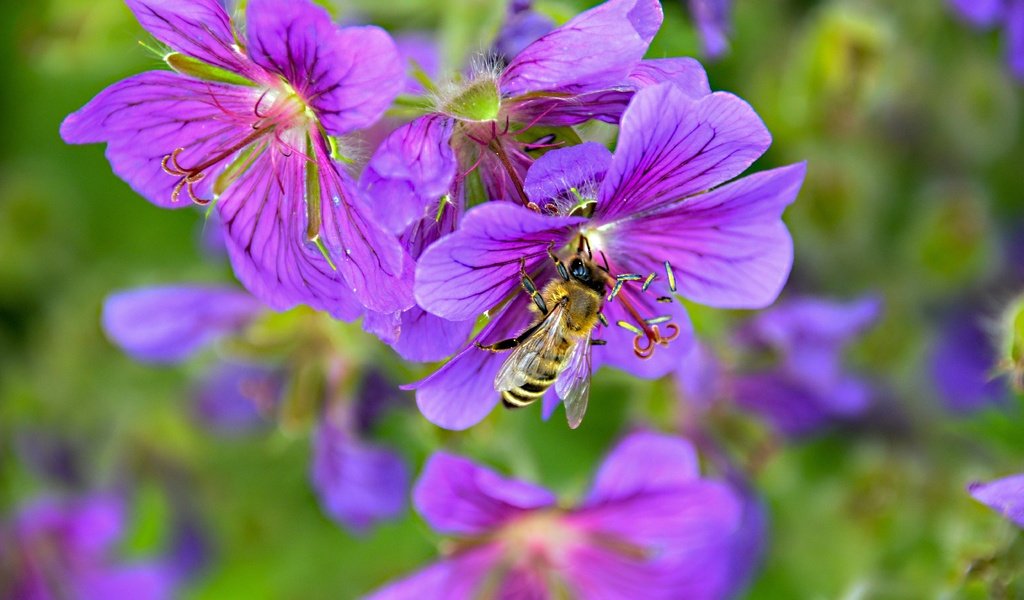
555 348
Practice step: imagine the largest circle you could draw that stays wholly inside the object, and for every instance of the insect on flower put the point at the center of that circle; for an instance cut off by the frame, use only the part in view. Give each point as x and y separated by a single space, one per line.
556 346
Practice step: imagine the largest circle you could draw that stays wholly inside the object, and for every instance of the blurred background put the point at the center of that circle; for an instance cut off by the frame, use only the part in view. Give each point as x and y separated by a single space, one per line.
911 124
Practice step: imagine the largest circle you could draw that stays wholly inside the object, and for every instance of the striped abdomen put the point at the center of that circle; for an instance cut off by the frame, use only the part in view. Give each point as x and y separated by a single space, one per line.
539 379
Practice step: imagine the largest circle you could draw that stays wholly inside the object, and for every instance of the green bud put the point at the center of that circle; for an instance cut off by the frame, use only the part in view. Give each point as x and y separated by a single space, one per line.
478 102
186 65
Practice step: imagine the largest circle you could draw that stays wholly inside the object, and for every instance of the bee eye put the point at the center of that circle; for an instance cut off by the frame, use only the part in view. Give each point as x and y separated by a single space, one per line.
579 270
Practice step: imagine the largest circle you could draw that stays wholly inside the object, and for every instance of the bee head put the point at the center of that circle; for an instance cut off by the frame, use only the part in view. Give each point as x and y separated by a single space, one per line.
579 270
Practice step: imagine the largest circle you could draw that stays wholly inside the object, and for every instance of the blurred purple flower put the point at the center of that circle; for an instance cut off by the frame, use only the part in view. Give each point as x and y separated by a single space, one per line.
650 527
522 27
650 206
808 387
170 323
56 549
236 397
1005 496
963 364
251 129
358 483
713 19
990 13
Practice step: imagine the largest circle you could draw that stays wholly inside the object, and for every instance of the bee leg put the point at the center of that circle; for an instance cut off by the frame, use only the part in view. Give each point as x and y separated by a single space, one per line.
562 271
531 288
511 342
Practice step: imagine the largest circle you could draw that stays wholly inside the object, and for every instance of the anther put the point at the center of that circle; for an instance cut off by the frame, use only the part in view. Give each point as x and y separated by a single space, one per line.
658 320
631 328
595 342
629 277
647 282
615 290
665 299
671 276
602 318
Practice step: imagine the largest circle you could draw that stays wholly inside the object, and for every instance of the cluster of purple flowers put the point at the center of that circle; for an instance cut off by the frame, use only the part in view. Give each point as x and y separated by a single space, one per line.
488 190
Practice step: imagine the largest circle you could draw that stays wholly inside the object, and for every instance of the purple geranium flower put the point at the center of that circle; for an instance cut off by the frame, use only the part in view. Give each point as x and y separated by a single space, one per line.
56 549
1006 496
963 365
808 387
651 218
989 13
248 121
650 527
713 19
358 483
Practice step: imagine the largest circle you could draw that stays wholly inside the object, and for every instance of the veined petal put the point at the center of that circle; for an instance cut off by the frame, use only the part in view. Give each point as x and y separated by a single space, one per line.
557 110
349 76
266 216
595 50
644 462
168 324
672 146
456 496
728 248
358 484
198 28
458 577
1005 496
470 271
461 393
410 171
567 175
147 117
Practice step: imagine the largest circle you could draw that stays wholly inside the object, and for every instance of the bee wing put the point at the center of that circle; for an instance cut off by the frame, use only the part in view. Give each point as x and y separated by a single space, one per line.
523 358
573 385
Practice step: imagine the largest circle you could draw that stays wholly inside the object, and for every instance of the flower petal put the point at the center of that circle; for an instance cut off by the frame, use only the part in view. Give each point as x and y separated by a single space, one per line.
982 13
470 271
410 171
198 28
1005 496
607 105
145 118
456 496
961 365
168 324
792 409
685 534
264 213
728 248
644 462
672 146
349 76
457 578
1015 37
461 393
554 176
426 337
712 18
358 484
234 396
595 50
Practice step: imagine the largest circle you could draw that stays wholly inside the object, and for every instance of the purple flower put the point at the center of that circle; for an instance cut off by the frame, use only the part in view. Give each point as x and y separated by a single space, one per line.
237 397
990 13
713 22
247 121
65 549
650 527
654 210
494 124
358 483
170 323
1006 496
963 365
808 387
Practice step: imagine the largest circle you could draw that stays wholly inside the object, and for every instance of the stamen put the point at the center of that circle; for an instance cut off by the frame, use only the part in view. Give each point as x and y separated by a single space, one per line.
658 320
629 277
671 276
665 299
602 318
615 290
189 176
630 328
647 282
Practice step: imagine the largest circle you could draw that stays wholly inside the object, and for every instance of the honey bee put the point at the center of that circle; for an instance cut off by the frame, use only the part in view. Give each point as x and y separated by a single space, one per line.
555 348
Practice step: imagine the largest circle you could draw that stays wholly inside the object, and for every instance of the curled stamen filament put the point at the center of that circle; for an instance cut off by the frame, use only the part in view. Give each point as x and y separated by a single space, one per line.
654 338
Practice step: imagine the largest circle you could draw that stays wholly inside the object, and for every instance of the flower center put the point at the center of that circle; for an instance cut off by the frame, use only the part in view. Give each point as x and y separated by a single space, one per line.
538 539
277 110
480 101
